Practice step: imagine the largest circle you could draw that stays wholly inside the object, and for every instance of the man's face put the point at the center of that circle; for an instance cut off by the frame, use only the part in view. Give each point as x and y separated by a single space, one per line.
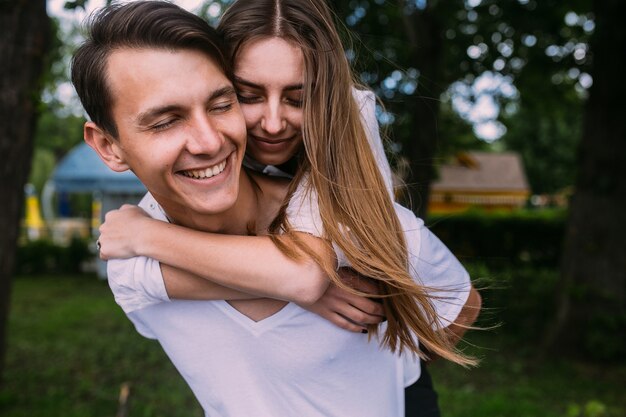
180 128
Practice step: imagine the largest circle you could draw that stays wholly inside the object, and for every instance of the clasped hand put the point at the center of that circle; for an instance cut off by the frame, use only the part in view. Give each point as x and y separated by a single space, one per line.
121 232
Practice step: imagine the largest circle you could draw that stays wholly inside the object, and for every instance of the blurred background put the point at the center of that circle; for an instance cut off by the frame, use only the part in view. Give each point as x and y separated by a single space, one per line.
505 125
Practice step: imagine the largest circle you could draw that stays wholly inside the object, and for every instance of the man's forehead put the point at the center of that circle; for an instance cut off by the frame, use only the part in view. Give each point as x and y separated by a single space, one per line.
125 55
160 73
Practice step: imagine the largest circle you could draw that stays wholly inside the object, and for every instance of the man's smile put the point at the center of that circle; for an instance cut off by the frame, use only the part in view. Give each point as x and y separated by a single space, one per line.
205 172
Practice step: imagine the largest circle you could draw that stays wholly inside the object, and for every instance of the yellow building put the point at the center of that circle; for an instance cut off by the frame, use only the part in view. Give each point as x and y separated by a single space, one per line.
492 181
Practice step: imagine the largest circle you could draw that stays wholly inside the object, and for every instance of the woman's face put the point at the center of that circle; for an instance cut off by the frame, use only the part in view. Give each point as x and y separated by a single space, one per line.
269 77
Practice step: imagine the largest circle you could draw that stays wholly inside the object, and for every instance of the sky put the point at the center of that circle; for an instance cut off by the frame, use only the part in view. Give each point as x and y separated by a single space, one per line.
55 8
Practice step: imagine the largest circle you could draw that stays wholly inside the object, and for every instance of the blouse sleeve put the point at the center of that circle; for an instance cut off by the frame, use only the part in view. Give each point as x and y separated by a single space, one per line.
435 267
138 282
366 100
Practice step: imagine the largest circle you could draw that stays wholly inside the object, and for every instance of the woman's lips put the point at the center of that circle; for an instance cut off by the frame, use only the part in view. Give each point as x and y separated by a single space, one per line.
271 145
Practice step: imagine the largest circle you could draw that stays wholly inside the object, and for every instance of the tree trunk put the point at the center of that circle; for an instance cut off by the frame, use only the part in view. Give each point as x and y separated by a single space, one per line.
425 43
24 33
591 306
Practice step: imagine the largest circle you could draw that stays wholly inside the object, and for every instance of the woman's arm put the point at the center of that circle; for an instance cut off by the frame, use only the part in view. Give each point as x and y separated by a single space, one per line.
466 318
182 285
250 264
340 307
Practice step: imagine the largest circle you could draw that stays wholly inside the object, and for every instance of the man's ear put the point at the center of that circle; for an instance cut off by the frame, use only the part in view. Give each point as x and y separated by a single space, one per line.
107 148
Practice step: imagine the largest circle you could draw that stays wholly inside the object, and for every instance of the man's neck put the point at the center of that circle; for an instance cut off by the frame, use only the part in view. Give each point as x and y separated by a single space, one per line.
234 221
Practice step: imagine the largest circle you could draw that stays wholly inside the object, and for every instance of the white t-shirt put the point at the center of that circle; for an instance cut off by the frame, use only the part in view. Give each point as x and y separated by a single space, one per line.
291 363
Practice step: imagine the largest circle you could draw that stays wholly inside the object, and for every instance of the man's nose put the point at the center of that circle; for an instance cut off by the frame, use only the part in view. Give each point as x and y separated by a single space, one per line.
273 121
204 137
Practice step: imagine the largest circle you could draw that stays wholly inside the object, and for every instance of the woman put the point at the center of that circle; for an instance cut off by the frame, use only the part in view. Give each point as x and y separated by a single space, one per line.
296 93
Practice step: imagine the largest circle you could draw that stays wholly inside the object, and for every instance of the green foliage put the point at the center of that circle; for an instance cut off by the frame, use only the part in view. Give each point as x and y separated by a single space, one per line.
517 298
53 72
43 165
75 4
57 130
597 326
55 135
524 249
592 408
547 145
43 256
58 133
497 239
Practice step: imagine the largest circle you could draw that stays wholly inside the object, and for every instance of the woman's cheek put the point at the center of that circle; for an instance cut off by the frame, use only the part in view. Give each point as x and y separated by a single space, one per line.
252 115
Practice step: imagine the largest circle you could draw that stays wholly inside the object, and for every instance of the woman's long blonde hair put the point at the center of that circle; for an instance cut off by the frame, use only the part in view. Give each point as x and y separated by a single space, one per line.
356 210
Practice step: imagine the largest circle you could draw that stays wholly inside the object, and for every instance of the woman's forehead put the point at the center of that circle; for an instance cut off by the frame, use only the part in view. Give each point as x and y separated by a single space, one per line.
268 59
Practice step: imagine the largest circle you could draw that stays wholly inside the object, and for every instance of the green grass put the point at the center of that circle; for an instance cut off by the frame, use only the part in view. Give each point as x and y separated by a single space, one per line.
510 383
70 349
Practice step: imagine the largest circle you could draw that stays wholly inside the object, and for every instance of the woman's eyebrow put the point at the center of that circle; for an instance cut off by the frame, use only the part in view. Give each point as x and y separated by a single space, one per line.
239 80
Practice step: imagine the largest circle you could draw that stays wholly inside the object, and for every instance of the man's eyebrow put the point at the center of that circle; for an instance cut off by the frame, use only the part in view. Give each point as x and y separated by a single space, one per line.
144 118
247 83
222 92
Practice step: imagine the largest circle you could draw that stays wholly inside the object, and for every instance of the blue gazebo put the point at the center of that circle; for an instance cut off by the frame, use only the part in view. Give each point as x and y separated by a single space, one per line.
82 171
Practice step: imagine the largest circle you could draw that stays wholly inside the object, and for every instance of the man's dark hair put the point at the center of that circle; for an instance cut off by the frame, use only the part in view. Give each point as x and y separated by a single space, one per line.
147 24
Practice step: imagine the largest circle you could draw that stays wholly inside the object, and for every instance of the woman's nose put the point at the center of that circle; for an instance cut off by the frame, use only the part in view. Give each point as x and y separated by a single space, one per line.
273 121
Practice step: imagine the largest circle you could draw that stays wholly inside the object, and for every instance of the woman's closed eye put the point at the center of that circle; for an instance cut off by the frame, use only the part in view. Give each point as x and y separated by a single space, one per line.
249 98
294 102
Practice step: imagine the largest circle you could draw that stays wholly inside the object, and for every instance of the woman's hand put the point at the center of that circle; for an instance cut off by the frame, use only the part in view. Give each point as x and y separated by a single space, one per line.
121 231
347 310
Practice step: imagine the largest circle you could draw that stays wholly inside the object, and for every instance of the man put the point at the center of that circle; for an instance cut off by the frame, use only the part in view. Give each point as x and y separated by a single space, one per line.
154 81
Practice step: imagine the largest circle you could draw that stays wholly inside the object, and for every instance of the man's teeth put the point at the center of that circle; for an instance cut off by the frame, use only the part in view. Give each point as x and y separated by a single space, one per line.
205 173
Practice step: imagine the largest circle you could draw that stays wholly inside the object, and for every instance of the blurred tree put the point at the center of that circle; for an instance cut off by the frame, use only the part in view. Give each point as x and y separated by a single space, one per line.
55 135
524 56
60 122
547 142
544 124
591 317
24 36
58 128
